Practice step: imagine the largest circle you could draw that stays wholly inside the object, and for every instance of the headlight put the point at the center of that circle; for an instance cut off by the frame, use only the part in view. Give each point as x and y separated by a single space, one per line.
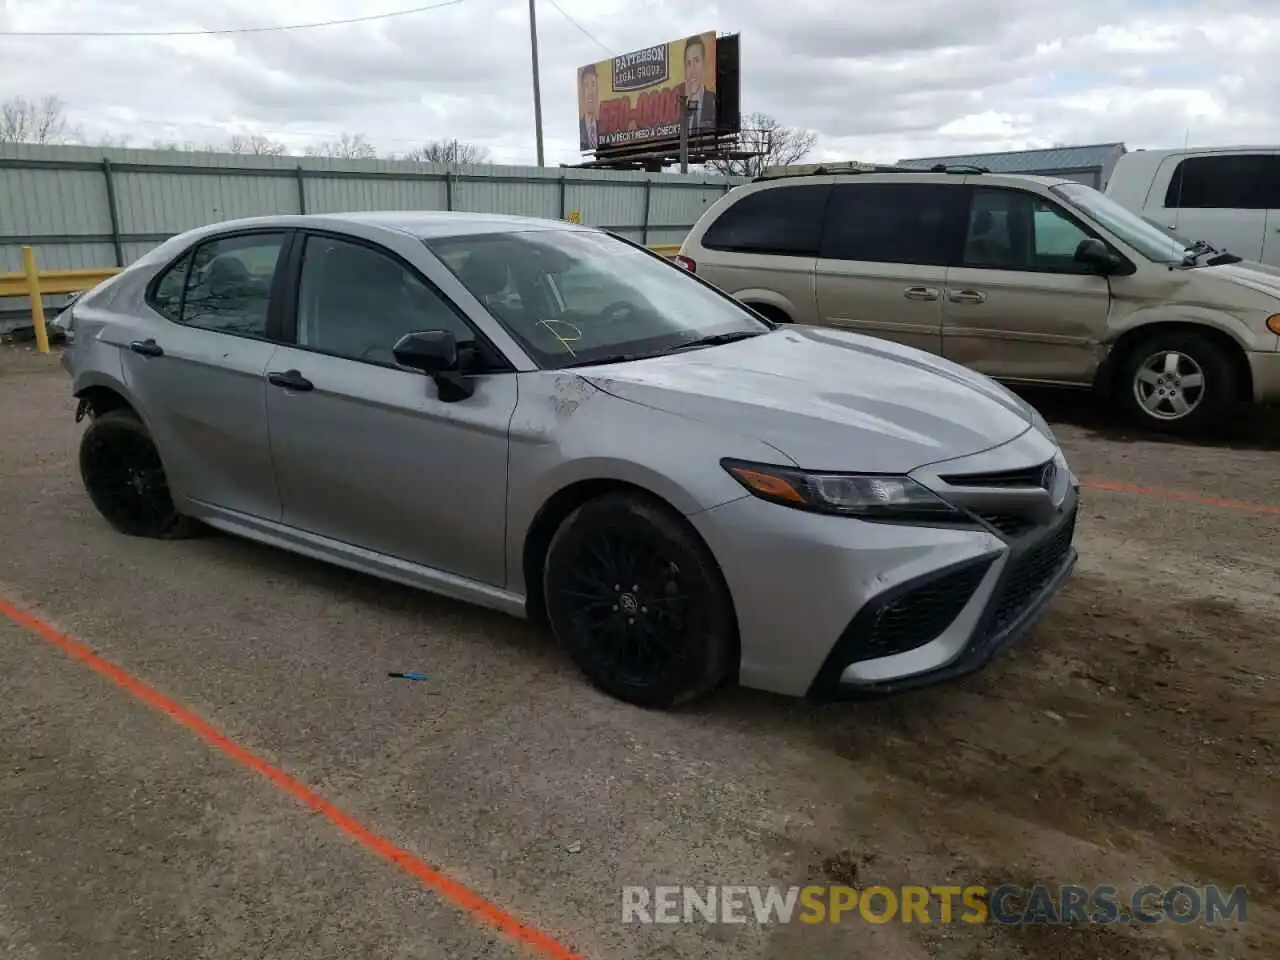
1273 323
869 497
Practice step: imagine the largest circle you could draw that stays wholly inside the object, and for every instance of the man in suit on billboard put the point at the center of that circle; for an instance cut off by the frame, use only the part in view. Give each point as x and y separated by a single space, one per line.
701 101
589 101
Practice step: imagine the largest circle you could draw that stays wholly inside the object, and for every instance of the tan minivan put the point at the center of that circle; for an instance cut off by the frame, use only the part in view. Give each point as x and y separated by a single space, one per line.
1026 279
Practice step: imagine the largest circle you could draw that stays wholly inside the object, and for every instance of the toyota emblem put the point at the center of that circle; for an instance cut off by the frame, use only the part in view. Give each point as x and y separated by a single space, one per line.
1048 475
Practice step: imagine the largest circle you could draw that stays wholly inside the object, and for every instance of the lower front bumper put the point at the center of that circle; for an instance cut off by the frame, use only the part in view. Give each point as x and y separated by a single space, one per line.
978 650
998 601
1265 368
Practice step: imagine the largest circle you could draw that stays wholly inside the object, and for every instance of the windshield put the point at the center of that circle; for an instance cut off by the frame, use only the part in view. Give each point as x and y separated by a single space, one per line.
572 297
1144 236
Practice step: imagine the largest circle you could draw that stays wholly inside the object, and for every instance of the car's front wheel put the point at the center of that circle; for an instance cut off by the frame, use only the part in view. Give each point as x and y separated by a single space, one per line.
1180 381
125 478
638 602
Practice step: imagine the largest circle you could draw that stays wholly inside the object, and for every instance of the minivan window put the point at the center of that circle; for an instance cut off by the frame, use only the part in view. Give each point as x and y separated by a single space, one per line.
889 223
572 297
1138 233
1018 230
1242 181
783 220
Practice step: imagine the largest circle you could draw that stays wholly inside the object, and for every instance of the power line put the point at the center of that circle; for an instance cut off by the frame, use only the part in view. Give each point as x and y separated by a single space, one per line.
233 30
585 32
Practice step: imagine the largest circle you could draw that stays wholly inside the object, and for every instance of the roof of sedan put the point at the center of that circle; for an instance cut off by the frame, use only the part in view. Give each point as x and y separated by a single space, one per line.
441 223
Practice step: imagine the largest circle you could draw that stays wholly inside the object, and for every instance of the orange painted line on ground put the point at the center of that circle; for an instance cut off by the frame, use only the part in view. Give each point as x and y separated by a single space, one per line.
456 893
1106 486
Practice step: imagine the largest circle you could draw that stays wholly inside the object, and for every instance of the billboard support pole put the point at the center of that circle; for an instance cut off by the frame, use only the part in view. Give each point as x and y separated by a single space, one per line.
537 80
684 134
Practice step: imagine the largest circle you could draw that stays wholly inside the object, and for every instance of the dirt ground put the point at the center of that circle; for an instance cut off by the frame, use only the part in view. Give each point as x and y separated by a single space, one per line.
1133 738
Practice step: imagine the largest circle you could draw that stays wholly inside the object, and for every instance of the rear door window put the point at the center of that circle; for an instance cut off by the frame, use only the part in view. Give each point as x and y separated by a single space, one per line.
1241 181
782 221
892 223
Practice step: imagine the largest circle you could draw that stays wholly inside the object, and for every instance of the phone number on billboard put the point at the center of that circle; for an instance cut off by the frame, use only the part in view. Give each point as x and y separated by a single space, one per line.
655 114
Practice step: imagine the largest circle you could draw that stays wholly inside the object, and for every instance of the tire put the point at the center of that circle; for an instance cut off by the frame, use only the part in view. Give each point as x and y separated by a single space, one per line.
125 479
1203 377
662 639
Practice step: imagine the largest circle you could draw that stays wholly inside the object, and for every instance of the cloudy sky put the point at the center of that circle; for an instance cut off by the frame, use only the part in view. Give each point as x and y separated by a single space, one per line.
876 80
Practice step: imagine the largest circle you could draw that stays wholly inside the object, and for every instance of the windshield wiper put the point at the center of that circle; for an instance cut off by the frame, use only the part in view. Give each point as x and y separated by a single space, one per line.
1204 248
715 339
610 358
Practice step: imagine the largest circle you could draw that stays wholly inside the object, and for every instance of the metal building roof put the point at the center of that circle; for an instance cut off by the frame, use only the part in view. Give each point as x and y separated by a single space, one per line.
1086 157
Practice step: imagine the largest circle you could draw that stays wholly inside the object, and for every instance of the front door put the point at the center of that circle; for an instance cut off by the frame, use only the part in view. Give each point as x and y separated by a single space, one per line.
882 265
1017 305
197 365
366 453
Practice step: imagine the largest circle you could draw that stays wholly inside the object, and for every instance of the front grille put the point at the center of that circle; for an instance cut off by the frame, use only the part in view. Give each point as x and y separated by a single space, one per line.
1029 477
1009 524
1030 574
914 618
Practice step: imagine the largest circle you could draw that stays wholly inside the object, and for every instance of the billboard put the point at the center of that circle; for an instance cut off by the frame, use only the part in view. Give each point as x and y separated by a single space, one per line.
633 100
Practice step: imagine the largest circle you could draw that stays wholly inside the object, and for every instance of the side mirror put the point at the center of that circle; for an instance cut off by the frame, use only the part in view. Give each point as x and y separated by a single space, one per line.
435 353
431 351
1094 253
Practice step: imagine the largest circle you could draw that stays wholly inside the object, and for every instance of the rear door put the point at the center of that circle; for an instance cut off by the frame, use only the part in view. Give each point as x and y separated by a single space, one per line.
1017 305
1219 197
197 368
762 249
882 265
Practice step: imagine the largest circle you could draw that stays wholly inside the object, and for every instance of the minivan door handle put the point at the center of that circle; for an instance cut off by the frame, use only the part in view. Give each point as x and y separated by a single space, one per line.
921 293
290 380
967 296
147 348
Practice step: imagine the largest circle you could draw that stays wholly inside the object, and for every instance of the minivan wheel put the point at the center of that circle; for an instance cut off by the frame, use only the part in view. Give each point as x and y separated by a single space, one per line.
770 312
125 478
638 602
1179 381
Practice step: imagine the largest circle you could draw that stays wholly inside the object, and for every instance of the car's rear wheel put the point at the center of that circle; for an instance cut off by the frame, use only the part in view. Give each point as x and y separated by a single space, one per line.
1180 381
770 312
125 478
638 602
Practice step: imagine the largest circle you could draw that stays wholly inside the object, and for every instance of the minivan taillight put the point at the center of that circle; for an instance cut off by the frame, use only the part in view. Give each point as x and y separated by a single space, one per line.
687 262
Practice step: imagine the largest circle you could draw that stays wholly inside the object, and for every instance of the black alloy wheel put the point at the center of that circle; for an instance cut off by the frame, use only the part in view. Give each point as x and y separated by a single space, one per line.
638 602
124 476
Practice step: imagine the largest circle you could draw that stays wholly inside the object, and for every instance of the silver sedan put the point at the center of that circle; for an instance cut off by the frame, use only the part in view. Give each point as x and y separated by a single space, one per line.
555 422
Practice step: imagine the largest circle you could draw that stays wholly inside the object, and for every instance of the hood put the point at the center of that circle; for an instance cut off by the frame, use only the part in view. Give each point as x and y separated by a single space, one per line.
828 399
1256 276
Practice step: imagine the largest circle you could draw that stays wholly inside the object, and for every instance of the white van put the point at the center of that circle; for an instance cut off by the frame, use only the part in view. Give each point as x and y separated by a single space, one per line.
1227 196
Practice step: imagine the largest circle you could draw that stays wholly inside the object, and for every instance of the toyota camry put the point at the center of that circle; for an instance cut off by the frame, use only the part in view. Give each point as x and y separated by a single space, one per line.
555 422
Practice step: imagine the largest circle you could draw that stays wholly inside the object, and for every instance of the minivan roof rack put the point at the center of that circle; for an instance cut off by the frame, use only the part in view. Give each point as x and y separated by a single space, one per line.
852 167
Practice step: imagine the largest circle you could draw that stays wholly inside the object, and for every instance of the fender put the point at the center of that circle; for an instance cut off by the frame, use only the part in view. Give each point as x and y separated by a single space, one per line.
1190 315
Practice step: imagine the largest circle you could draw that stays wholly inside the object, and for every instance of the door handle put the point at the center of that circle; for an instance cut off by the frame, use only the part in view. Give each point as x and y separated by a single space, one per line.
290 380
921 293
967 296
147 348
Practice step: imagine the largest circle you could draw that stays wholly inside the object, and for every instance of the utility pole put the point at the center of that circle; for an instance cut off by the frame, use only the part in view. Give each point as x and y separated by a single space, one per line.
537 81
684 134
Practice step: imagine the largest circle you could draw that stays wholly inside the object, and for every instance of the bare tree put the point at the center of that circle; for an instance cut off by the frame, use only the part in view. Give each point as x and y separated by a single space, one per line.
34 121
348 146
771 144
255 146
114 140
449 151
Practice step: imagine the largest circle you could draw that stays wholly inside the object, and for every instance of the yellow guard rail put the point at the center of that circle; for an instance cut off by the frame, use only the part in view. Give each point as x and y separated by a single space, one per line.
33 285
